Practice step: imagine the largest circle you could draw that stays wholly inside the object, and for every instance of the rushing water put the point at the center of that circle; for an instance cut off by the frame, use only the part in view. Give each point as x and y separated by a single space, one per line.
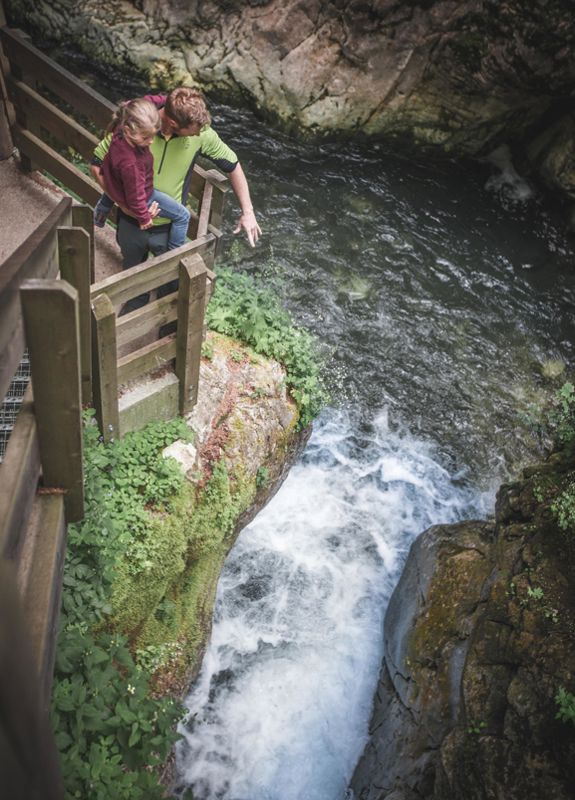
438 292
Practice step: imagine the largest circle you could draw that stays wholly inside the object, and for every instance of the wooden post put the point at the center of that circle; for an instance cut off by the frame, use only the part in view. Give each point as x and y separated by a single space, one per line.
74 253
50 311
6 110
191 303
83 217
30 764
105 367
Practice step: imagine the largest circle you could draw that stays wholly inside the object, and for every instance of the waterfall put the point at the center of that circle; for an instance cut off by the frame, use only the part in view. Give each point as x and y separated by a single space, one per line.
281 707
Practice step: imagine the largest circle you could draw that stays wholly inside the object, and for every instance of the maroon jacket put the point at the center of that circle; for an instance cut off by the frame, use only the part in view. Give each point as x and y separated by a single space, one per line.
129 176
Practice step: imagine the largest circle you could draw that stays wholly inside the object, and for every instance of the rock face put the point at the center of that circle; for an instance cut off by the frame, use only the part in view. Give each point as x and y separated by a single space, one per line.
461 77
478 639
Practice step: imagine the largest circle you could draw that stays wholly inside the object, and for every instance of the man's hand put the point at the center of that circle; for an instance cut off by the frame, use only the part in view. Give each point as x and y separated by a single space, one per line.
249 224
97 175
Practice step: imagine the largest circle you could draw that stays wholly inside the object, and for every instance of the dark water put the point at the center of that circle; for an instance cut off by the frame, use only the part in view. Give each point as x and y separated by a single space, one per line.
434 296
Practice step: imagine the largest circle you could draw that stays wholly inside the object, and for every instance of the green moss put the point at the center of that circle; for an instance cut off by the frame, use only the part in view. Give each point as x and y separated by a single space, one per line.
172 600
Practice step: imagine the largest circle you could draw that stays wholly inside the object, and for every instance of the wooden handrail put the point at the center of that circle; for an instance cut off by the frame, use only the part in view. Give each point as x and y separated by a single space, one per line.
55 121
37 257
152 273
76 93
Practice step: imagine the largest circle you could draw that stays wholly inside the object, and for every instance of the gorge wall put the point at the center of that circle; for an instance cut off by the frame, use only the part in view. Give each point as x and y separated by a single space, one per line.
478 641
455 77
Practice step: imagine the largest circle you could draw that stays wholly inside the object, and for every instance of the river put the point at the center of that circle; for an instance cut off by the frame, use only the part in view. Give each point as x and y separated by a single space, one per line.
440 294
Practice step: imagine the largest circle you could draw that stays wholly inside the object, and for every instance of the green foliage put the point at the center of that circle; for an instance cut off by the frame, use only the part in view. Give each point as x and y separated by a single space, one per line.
566 706
108 730
553 424
535 594
262 477
207 350
476 727
563 508
254 316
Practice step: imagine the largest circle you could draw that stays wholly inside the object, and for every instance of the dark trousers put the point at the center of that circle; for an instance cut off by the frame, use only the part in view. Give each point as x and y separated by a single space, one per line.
135 245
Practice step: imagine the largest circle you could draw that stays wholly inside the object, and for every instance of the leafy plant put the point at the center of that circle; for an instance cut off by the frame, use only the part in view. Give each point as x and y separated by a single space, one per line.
255 317
109 730
476 727
262 477
566 705
207 350
563 508
562 416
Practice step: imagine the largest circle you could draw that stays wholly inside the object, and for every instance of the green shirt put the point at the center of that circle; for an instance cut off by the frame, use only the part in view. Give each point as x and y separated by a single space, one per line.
174 160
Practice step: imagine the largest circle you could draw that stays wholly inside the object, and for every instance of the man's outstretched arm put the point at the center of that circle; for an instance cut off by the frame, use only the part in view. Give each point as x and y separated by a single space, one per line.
247 220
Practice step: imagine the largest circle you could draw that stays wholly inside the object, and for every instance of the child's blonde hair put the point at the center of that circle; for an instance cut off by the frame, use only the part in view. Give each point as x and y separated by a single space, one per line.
139 116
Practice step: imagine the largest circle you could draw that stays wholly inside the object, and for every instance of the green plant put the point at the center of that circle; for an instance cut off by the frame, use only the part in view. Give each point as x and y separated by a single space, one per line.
255 317
208 350
566 705
108 729
153 656
535 594
476 727
262 477
563 507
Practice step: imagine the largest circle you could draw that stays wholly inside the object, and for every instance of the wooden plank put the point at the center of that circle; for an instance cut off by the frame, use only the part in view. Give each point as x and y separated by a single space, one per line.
37 257
143 321
19 473
104 367
30 762
83 217
51 119
6 114
221 188
40 569
54 77
152 273
48 159
146 359
205 209
75 257
191 304
52 306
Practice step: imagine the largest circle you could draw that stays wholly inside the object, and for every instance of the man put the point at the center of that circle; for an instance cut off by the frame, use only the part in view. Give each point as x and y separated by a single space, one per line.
184 134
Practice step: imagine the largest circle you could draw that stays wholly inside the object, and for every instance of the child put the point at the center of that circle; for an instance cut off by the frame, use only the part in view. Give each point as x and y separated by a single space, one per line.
128 172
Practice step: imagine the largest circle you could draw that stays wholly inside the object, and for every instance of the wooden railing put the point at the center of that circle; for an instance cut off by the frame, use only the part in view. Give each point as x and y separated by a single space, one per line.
81 351
41 475
129 346
31 76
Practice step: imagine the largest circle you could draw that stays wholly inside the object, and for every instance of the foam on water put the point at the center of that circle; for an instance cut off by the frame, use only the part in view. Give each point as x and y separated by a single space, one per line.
281 707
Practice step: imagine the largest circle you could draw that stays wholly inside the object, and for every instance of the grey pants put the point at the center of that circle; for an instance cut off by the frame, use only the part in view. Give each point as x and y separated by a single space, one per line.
135 246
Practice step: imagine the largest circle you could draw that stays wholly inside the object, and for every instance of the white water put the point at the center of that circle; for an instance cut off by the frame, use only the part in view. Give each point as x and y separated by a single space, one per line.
281 708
